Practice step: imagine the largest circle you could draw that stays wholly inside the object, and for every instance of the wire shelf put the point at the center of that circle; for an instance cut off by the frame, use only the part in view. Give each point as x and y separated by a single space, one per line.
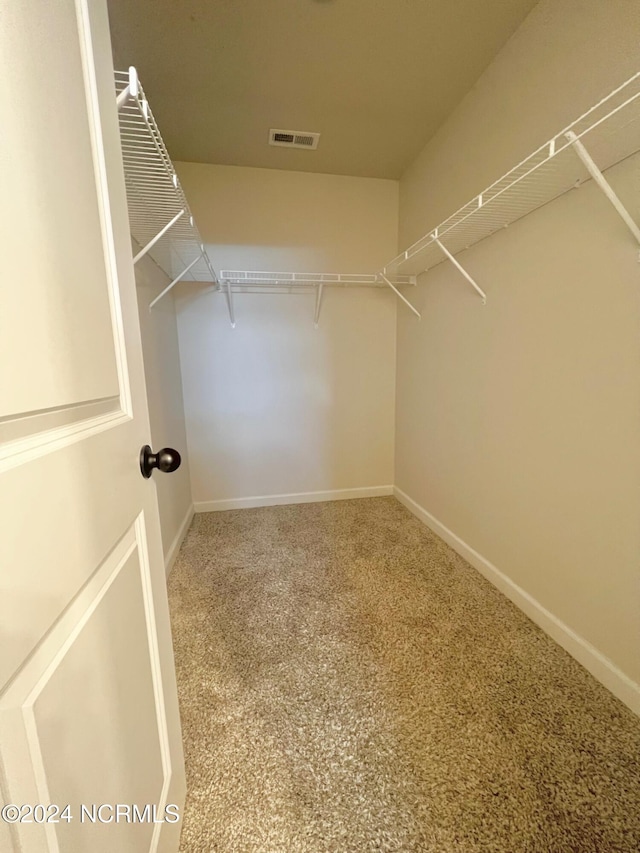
258 281
154 194
610 129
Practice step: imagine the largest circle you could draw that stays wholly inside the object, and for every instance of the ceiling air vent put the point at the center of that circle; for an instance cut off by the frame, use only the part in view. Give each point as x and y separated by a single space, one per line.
294 139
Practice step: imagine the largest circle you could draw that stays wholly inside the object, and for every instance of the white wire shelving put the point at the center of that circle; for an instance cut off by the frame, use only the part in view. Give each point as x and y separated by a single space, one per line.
163 226
160 220
256 281
605 135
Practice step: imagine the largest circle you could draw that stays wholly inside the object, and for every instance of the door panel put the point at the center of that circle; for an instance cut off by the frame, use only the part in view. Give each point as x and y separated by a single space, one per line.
88 705
80 752
94 476
56 260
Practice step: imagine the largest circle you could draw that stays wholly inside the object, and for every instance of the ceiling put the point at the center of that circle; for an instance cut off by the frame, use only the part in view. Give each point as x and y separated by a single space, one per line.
375 77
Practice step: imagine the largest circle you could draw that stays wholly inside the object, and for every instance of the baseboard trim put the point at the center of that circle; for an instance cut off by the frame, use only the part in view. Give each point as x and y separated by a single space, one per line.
174 548
603 669
296 498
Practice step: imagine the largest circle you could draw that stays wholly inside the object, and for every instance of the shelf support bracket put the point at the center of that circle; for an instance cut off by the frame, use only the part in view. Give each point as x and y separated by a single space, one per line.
214 277
316 316
158 236
130 91
174 282
397 293
232 315
461 269
604 184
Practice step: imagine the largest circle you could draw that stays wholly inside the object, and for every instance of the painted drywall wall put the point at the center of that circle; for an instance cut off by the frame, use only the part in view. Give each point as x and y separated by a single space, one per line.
166 407
275 406
518 422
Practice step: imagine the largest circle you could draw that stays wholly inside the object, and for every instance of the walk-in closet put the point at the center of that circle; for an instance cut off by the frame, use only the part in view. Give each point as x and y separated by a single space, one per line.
320 452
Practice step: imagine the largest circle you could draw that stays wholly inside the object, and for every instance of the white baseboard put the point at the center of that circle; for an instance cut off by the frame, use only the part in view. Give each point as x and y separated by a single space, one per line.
604 670
174 548
296 498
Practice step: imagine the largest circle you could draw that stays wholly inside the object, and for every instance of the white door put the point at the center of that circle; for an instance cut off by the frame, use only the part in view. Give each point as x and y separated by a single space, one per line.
88 708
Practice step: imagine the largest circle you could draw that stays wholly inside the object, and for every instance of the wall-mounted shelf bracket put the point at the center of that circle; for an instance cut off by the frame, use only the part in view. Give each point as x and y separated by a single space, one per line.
232 314
604 184
397 293
174 282
316 316
130 90
158 236
459 267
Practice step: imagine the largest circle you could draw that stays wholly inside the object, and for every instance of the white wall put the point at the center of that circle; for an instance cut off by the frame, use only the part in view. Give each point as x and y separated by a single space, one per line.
517 423
274 406
166 408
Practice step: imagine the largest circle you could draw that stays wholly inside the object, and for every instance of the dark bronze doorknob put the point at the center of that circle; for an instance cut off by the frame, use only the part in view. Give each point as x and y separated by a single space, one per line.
166 460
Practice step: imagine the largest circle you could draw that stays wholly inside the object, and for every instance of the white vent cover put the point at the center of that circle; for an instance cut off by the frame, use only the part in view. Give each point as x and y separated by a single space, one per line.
294 139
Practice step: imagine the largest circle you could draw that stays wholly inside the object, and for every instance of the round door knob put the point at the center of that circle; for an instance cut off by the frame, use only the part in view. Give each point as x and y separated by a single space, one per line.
166 460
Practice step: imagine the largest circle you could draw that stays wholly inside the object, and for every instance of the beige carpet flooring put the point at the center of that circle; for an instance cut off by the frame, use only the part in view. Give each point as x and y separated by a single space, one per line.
349 684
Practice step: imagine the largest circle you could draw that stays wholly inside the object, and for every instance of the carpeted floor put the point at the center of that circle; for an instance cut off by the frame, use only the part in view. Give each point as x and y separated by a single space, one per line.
349 684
